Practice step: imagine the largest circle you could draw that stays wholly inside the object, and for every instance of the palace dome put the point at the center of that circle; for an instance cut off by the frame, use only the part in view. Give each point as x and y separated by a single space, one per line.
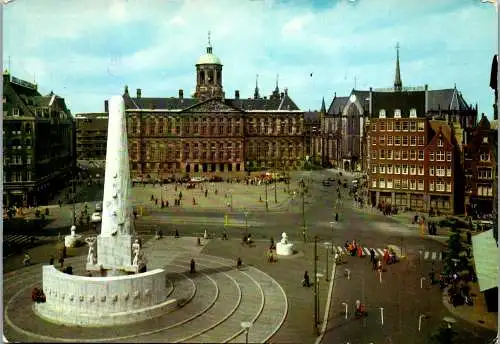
209 58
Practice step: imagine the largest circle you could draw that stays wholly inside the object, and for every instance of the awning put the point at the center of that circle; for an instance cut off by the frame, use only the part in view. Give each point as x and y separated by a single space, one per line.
486 260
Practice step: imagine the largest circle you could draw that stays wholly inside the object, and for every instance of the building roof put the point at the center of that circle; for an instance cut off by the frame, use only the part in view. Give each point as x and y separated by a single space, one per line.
209 59
311 116
486 260
404 101
284 104
441 126
446 99
337 105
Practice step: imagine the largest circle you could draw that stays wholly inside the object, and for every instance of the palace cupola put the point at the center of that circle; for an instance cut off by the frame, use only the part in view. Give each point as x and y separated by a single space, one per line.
209 75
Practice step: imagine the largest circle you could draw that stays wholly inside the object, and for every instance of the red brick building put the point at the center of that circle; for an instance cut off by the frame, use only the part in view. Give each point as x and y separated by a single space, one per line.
479 168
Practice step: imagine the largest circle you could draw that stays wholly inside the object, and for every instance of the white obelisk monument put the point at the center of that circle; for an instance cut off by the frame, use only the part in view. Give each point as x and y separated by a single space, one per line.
117 251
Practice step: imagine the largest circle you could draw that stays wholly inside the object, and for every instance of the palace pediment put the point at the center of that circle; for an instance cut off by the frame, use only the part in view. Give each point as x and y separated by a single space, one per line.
211 106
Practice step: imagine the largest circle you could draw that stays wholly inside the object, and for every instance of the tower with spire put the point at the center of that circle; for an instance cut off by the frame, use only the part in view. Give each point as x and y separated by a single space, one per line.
209 75
398 84
276 92
256 94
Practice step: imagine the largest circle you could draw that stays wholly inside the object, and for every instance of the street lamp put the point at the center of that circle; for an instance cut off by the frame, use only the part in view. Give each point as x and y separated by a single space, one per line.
345 305
246 325
332 226
318 278
246 222
267 206
327 247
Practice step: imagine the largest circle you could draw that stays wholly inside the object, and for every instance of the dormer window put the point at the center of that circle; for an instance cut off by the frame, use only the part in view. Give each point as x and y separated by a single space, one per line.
397 113
413 113
15 112
381 113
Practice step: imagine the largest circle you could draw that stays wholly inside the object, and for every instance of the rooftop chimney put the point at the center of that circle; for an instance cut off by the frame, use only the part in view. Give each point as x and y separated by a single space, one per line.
237 94
282 95
138 93
181 94
106 107
426 99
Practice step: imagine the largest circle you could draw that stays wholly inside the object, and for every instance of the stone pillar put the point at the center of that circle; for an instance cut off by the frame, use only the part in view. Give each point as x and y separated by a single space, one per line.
408 200
393 198
377 198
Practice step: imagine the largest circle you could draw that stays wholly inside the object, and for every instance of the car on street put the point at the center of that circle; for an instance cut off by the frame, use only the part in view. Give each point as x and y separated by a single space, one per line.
96 217
327 183
198 179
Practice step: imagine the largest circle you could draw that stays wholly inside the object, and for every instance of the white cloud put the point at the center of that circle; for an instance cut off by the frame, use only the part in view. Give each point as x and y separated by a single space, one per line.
441 43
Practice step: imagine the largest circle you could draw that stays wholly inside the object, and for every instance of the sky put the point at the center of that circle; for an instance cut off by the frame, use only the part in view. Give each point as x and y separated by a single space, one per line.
87 51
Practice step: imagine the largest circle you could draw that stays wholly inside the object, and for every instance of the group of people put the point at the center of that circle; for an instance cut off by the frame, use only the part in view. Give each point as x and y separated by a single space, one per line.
354 248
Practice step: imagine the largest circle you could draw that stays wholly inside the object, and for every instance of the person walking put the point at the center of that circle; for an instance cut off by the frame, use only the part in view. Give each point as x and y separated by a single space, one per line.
305 281
372 256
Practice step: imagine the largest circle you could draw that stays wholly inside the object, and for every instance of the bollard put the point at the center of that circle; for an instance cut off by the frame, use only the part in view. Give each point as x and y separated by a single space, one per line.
345 305
382 315
380 276
420 321
422 279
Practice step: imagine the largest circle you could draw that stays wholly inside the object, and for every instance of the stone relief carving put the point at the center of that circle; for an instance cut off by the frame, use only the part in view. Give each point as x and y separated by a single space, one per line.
125 296
103 298
81 298
212 106
71 297
92 298
115 298
137 293
147 292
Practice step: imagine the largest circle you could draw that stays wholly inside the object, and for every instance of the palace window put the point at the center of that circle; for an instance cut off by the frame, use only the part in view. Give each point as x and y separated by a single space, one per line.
397 126
389 140
439 156
421 140
389 169
448 156
374 154
405 140
420 155
420 170
382 154
440 171
413 126
389 183
413 184
381 169
484 173
404 184
382 126
397 140
381 183
431 156
397 169
421 125
389 126
413 170
397 183
374 168
482 157
404 155
405 126
374 126
374 183
448 187
420 184
388 154
431 171
381 140
448 171
440 186
413 155
404 169
413 141
431 186
397 155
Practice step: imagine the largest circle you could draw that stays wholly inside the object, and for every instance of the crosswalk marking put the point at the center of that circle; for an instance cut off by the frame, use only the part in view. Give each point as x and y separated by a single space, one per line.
20 239
379 252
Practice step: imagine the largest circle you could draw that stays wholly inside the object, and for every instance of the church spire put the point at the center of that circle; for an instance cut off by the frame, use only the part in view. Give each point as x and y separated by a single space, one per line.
277 90
398 84
256 93
323 107
209 46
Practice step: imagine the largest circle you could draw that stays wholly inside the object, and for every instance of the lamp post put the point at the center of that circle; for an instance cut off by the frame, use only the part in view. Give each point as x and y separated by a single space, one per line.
327 247
332 226
73 196
316 285
246 325
267 207
246 222
318 278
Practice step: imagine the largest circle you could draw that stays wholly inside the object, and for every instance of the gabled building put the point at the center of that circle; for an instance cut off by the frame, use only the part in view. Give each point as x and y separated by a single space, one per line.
209 133
38 143
480 151
91 140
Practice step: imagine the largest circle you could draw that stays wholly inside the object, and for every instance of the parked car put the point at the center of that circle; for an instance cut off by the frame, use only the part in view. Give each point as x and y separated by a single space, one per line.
96 217
214 179
198 179
185 179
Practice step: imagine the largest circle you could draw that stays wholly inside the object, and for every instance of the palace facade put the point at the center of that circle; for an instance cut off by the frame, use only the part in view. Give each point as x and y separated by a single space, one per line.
209 133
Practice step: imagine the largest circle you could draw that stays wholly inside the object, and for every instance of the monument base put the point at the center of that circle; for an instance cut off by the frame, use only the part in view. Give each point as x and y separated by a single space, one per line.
284 249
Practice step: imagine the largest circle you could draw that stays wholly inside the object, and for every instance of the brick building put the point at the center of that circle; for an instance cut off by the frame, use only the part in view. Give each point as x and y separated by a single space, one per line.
38 143
480 151
210 133
91 138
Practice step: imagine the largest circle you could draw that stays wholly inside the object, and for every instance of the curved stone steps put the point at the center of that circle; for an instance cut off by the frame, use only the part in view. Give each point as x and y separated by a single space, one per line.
273 314
250 307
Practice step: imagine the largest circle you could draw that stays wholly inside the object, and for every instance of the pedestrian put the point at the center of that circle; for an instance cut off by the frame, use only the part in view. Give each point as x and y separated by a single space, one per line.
156 201
177 233
305 281
61 261
51 260
270 255
166 203
194 201
374 264
180 195
206 192
192 268
27 259
239 263
372 255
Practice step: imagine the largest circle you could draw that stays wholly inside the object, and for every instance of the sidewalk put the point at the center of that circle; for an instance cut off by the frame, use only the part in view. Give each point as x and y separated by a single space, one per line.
477 314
